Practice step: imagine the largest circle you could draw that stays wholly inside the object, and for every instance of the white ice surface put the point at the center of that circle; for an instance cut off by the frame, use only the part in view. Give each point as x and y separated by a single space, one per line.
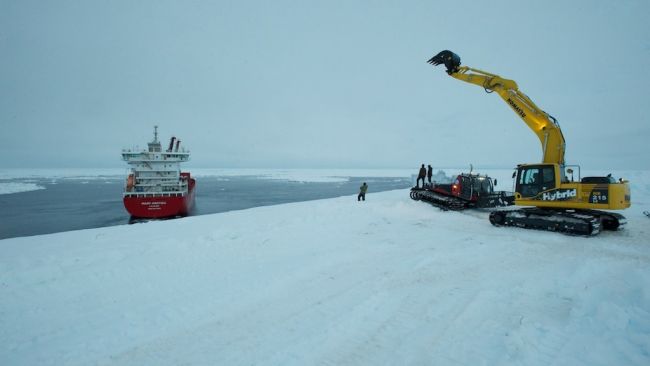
296 175
334 282
304 175
17 187
59 173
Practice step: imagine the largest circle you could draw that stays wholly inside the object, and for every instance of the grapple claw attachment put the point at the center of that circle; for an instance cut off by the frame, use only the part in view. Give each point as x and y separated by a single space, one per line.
448 58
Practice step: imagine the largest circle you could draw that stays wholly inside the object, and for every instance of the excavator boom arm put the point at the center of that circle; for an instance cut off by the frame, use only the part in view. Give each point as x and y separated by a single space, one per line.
541 123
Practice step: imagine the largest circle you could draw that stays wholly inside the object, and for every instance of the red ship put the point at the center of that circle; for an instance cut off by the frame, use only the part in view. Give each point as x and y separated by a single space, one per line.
155 186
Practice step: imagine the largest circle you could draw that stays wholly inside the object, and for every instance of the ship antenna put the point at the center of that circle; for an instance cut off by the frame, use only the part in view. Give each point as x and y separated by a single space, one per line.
155 133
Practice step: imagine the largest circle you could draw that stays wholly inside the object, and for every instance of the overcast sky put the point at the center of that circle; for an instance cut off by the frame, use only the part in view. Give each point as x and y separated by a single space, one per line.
294 84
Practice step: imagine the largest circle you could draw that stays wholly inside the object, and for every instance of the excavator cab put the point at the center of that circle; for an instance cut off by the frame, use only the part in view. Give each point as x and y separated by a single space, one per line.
534 179
547 185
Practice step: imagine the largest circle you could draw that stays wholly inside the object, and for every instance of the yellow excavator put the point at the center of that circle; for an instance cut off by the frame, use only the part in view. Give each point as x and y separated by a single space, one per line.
560 201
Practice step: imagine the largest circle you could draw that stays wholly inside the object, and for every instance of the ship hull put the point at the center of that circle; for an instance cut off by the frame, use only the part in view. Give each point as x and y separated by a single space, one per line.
160 206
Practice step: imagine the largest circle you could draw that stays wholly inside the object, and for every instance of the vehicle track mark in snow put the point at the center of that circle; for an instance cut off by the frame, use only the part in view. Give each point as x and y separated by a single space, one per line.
381 332
250 329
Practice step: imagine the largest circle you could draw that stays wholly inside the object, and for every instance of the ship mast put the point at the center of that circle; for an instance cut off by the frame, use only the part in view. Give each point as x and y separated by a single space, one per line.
154 146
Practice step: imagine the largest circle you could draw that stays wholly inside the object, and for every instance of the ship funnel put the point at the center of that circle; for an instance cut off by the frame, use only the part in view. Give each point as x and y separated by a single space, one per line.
171 144
178 143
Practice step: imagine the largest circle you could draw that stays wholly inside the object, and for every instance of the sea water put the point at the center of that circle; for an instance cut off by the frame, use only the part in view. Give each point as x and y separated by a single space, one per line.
74 204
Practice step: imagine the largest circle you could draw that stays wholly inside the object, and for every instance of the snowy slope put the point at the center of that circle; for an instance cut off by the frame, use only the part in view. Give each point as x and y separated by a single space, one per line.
331 282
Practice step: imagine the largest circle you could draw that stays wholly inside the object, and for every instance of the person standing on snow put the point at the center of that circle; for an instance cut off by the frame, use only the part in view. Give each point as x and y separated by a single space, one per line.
429 173
421 175
362 192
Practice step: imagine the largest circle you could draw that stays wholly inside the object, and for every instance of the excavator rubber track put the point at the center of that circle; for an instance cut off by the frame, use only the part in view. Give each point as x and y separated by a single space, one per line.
570 222
439 200
447 202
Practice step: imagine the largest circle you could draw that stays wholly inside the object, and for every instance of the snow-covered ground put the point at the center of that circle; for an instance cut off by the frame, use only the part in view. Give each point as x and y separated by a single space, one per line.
388 281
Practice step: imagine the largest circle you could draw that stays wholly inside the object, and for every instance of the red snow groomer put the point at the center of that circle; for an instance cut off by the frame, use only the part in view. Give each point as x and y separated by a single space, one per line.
466 191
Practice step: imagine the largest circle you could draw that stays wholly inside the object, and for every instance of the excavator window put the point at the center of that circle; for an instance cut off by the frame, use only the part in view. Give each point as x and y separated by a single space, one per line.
533 180
548 178
528 176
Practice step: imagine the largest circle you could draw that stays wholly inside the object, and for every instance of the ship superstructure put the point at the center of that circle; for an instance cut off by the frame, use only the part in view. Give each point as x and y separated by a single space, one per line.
155 186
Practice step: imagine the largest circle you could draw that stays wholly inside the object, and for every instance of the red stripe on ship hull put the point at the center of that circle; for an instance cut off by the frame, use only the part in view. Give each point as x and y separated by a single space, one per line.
158 207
